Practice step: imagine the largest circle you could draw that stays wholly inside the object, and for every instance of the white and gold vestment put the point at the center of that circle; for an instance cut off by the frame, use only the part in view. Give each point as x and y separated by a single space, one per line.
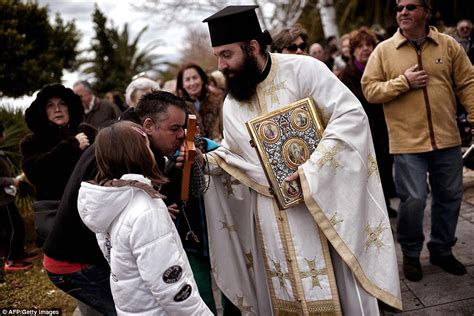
333 254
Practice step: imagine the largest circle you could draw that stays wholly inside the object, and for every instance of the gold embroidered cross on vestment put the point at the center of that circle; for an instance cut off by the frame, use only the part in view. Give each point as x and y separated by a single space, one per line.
279 274
334 220
328 156
313 273
228 183
374 236
225 225
248 259
273 89
373 167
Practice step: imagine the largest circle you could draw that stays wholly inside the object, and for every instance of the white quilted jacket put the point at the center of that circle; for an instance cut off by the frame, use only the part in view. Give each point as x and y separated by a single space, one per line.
150 273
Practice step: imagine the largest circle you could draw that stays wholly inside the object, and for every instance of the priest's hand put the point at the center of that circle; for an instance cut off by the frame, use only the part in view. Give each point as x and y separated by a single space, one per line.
294 176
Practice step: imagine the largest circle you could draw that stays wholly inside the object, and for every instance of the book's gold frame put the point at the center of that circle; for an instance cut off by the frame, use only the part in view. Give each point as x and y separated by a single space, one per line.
284 139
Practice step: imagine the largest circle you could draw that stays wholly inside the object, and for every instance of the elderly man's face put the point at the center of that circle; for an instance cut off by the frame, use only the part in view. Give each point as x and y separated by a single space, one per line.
413 16
86 96
464 29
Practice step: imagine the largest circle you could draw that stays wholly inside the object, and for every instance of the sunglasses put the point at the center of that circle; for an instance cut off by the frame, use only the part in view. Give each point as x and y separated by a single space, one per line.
409 7
294 47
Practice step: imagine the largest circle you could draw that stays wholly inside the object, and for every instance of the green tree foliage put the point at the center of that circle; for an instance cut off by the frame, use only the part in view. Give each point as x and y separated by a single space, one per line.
117 58
352 14
15 128
32 51
13 119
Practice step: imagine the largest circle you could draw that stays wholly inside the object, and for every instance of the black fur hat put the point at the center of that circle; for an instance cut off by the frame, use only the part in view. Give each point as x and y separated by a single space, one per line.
36 117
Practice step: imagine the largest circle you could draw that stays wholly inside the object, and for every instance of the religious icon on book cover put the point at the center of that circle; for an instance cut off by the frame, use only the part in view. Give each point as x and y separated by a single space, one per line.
270 132
291 189
295 152
284 139
300 120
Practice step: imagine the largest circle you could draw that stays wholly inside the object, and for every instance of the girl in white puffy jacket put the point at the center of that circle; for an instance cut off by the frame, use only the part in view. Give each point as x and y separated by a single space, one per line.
150 273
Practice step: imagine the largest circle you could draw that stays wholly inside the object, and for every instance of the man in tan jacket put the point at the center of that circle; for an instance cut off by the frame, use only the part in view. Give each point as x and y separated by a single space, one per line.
416 75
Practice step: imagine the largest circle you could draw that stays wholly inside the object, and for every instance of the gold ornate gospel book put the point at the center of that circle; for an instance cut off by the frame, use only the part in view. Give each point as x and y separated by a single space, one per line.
284 139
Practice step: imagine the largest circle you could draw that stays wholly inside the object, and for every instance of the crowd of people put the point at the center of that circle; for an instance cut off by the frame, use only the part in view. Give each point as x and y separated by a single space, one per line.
125 241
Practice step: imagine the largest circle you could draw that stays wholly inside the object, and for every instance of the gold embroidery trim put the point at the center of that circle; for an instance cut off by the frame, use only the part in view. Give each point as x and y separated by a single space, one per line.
265 83
289 249
330 272
261 244
343 250
239 175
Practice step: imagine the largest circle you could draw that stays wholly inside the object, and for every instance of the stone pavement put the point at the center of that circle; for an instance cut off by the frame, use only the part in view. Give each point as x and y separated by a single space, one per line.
440 293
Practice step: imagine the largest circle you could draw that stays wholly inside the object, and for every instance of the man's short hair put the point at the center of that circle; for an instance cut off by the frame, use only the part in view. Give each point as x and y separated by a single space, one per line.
85 84
464 21
155 104
425 3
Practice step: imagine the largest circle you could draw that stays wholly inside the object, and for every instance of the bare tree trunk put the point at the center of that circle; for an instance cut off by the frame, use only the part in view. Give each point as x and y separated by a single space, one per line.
327 11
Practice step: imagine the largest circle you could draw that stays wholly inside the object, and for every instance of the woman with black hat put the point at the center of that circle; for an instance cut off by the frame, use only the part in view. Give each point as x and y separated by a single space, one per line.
57 141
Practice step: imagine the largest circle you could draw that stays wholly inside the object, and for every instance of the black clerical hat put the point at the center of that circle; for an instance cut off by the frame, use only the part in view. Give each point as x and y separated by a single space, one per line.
235 23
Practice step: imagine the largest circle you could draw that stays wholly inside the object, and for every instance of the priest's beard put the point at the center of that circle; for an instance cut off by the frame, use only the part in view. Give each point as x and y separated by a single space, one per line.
243 84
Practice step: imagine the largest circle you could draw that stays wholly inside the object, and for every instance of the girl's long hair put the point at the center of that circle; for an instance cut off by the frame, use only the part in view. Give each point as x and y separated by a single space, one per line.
120 149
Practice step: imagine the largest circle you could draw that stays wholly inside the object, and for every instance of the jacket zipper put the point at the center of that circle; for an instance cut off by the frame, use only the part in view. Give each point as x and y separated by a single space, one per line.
427 103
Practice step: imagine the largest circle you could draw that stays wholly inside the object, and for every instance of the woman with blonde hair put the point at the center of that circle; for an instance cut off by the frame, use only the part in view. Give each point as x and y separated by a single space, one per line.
150 273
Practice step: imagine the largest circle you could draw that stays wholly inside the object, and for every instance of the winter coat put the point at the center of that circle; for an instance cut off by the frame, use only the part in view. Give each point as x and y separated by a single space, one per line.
102 113
50 152
420 120
69 239
210 115
351 77
150 273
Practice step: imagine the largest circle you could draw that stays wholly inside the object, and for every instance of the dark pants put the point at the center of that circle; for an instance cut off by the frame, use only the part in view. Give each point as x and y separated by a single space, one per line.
444 168
202 275
12 232
91 286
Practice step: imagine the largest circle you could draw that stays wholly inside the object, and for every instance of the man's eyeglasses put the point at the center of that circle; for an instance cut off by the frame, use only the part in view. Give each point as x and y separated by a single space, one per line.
294 47
409 7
